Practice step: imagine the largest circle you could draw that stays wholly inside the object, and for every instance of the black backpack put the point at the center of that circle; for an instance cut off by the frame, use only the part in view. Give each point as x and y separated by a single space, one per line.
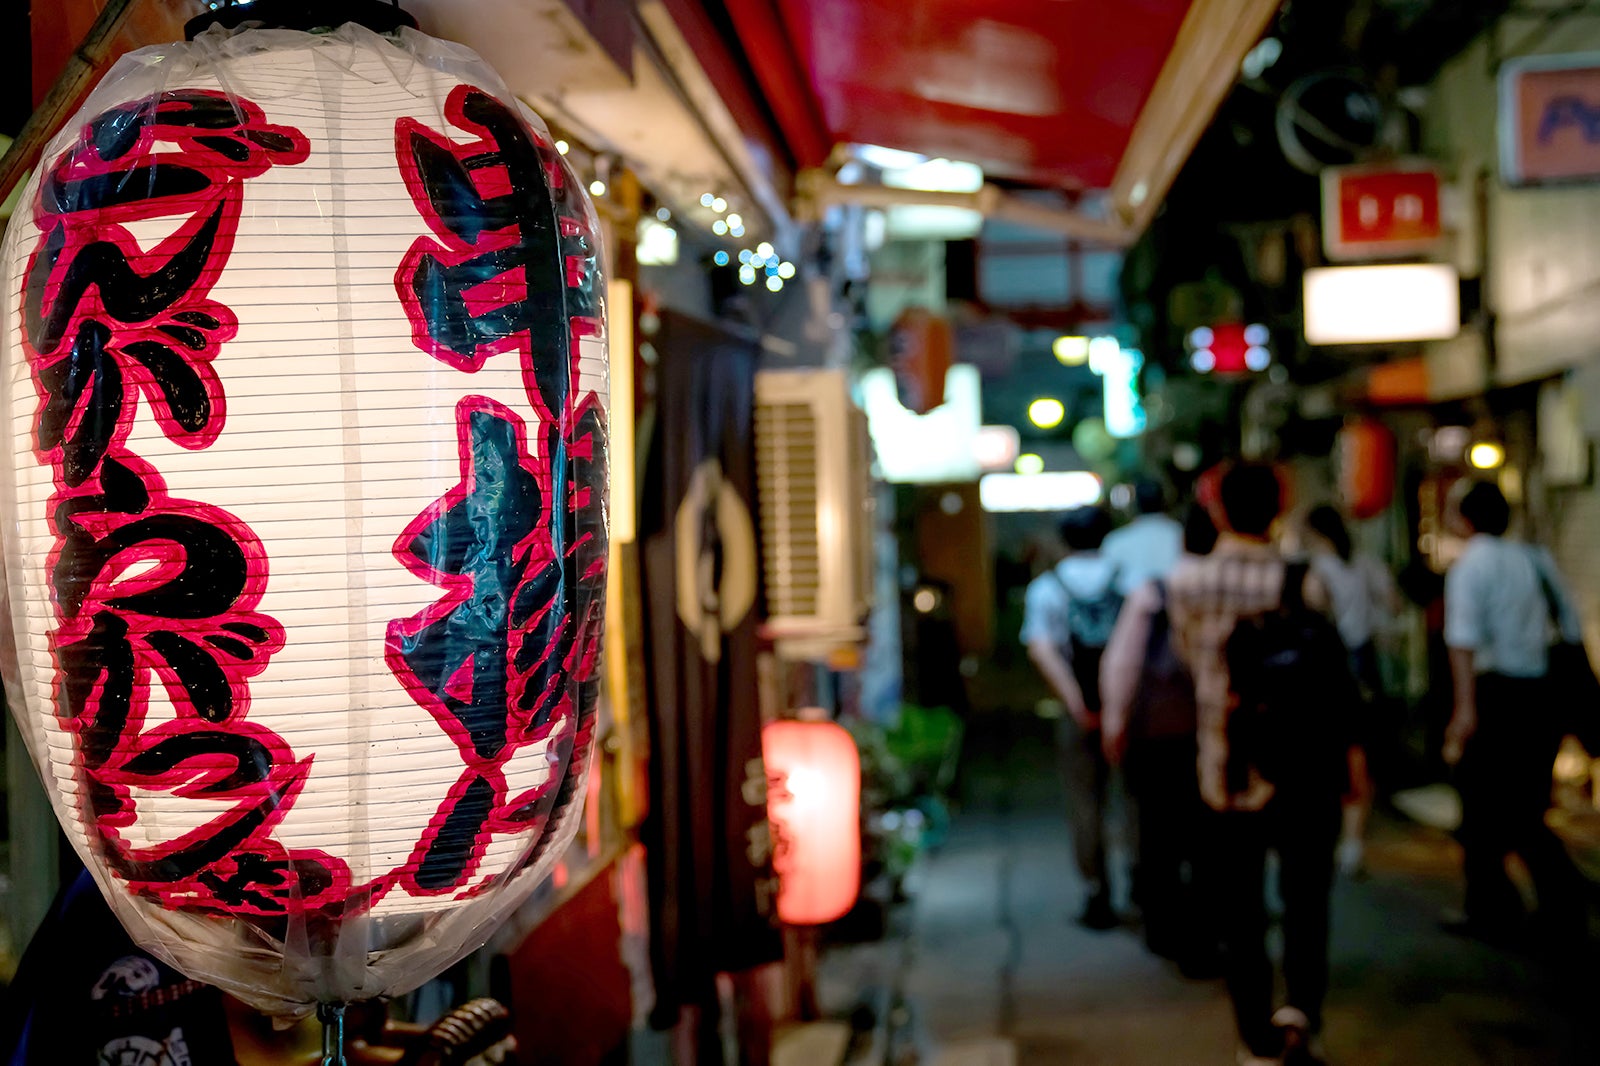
1295 696
1164 704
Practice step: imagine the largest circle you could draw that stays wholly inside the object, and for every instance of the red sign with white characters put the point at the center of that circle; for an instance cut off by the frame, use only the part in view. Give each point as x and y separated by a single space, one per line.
1379 212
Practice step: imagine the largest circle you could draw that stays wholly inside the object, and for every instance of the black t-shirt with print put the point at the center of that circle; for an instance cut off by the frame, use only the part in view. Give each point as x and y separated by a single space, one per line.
85 994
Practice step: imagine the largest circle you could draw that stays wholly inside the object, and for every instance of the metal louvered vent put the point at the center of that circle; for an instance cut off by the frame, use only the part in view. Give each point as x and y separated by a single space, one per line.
786 475
813 463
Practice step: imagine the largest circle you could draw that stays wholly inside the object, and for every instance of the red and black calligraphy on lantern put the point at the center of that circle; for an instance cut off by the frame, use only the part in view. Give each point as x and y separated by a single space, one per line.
308 475
100 334
493 661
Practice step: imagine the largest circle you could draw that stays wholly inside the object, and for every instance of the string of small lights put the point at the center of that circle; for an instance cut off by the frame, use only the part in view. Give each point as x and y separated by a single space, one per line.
758 265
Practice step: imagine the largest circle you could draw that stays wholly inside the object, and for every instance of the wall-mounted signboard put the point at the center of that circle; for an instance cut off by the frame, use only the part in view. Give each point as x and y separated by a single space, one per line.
1382 304
1380 211
1550 119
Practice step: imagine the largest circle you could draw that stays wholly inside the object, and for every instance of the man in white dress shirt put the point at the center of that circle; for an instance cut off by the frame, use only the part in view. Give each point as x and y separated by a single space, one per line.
1501 598
1068 616
1148 547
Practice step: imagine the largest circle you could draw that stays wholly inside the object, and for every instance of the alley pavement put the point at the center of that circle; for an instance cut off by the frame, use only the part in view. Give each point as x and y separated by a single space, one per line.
986 965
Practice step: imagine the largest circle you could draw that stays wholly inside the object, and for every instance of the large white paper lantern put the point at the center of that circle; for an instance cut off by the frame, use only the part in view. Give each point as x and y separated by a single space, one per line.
303 481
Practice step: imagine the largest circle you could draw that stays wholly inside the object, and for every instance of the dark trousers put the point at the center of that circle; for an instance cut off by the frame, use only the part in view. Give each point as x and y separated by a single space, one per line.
1504 780
1303 831
1164 786
1088 781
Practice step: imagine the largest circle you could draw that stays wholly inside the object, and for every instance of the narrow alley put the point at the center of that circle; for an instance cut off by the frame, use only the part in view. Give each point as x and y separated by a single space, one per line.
800 533
993 970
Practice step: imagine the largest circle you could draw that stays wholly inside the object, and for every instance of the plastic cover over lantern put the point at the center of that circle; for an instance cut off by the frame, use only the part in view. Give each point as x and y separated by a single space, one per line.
814 805
303 484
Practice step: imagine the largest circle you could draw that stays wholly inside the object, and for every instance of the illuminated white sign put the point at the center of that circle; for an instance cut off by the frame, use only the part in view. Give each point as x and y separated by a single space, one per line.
1382 304
1103 350
997 447
933 222
935 175
1059 490
941 445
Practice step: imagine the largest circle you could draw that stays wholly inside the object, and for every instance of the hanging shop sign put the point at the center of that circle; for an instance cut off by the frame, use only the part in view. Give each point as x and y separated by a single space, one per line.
1399 381
713 894
304 480
1382 304
1380 212
1230 348
1550 119
1053 490
1122 404
938 446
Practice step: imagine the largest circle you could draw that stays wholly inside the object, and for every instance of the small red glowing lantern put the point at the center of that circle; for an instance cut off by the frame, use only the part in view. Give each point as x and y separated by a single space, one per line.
1366 467
922 349
814 804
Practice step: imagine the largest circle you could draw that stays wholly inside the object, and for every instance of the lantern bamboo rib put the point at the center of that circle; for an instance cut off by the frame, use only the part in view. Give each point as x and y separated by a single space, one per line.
85 63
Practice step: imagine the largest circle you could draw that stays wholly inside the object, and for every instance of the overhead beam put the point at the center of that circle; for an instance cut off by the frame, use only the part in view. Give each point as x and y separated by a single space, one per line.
705 75
818 190
784 80
1215 37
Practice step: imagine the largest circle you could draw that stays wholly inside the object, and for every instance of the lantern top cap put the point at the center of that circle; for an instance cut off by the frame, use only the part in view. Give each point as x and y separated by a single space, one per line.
308 15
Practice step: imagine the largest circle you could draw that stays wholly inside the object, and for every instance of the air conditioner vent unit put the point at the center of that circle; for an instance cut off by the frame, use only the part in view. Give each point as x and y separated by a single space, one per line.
813 475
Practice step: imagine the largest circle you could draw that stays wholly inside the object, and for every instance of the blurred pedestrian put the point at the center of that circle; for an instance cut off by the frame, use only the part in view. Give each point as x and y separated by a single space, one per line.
1268 670
1148 727
1502 599
1360 590
1068 616
1147 547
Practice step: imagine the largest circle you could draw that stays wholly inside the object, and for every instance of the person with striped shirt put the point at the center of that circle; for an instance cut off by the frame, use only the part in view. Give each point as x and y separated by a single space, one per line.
1245 577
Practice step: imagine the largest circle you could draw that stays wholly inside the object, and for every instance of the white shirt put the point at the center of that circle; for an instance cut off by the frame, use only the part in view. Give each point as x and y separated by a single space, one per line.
1143 550
1350 594
1495 606
1085 576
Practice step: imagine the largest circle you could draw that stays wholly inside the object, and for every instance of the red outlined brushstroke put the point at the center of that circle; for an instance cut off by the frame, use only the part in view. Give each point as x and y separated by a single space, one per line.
188 326
148 587
529 555
503 261
450 248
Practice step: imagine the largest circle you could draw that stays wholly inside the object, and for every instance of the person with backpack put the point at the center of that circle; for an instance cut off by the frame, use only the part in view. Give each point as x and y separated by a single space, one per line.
1503 601
1148 728
1068 615
1273 693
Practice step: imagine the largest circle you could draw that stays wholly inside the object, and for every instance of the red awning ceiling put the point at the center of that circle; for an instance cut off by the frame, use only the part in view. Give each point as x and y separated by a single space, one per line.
1065 94
1041 91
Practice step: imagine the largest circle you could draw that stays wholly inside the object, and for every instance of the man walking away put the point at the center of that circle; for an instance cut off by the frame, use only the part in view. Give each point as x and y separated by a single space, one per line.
1068 615
1501 598
1148 547
1271 679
